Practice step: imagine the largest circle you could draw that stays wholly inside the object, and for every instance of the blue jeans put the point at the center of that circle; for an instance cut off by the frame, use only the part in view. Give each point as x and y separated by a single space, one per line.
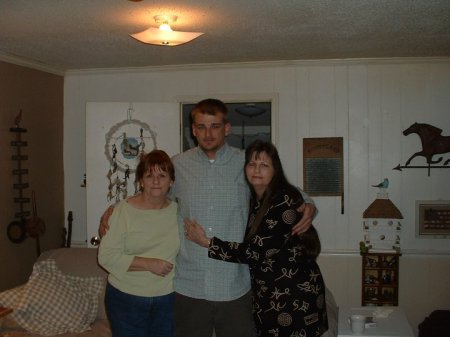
139 316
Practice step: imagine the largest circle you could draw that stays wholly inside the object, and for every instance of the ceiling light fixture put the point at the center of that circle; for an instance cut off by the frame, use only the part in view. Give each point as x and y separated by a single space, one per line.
164 35
250 110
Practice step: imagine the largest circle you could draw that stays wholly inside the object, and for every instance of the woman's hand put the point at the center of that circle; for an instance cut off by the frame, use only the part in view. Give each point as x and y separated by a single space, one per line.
159 267
194 232
104 226
156 266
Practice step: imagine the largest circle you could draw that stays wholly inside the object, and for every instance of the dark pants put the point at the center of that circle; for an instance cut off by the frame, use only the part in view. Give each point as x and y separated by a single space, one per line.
139 316
199 318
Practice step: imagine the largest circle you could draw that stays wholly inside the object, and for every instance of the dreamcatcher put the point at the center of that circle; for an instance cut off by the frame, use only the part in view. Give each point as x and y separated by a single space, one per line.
125 144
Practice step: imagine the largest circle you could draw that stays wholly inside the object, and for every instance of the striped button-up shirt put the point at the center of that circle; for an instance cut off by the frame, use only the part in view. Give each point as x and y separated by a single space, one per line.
216 195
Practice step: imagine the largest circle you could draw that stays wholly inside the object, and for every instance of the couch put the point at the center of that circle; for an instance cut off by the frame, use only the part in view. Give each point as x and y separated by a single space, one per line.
82 262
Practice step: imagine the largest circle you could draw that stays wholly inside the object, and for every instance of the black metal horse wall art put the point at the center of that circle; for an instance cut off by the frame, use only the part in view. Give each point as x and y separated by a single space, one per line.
433 143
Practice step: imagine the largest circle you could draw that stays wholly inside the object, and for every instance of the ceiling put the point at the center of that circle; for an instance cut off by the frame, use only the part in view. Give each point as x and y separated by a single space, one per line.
89 34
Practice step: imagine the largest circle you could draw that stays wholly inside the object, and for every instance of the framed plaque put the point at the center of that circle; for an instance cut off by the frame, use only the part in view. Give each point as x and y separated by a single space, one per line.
323 171
322 166
433 218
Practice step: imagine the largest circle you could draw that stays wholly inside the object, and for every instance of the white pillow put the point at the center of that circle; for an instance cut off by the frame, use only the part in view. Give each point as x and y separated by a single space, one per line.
52 303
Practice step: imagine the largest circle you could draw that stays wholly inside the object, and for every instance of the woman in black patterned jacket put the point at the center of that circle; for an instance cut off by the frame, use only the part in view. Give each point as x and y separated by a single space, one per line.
288 288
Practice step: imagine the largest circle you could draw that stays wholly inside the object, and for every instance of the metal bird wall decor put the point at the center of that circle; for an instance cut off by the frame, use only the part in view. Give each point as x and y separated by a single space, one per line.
432 143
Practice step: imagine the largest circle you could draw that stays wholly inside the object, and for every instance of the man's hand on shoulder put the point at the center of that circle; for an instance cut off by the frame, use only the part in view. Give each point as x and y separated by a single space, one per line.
305 222
104 226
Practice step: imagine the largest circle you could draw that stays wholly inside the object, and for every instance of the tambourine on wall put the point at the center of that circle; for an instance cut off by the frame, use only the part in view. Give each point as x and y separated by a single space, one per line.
323 168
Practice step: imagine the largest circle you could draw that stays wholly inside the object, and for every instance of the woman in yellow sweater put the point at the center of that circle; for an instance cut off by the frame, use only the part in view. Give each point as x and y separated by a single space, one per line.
139 253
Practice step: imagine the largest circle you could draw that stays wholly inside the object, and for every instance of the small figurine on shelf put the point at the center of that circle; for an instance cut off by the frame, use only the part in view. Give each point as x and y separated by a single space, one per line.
363 248
371 294
392 262
373 262
383 185
388 294
370 279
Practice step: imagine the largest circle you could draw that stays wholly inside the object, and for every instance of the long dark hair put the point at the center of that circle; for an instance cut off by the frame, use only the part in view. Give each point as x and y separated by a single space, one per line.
278 183
311 243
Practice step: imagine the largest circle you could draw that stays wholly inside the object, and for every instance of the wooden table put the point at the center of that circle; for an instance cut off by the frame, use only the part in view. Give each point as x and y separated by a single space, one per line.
395 325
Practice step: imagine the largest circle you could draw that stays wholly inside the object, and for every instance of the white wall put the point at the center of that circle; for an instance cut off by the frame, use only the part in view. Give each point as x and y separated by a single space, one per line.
368 102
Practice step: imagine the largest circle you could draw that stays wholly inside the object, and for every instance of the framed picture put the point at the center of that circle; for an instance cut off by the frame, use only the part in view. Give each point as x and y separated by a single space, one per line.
323 166
250 120
432 218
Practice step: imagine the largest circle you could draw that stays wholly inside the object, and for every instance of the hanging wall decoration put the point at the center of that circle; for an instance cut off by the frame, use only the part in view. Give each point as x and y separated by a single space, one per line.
16 230
433 143
115 132
323 168
382 225
126 141
433 218
28 225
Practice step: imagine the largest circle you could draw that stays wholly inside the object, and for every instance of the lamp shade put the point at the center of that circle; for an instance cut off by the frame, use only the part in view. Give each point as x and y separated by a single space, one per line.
165 37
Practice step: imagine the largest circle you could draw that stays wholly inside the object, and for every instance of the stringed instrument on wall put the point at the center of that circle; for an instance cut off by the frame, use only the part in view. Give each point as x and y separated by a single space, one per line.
35 226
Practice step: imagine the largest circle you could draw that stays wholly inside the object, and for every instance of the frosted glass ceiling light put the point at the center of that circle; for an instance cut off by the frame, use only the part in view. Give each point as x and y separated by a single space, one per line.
250 110
164 35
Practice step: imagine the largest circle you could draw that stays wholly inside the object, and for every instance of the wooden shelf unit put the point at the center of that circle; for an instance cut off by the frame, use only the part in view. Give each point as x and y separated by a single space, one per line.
380 272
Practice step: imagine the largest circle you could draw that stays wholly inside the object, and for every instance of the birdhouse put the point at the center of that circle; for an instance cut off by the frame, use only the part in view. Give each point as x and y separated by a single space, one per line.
382 226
